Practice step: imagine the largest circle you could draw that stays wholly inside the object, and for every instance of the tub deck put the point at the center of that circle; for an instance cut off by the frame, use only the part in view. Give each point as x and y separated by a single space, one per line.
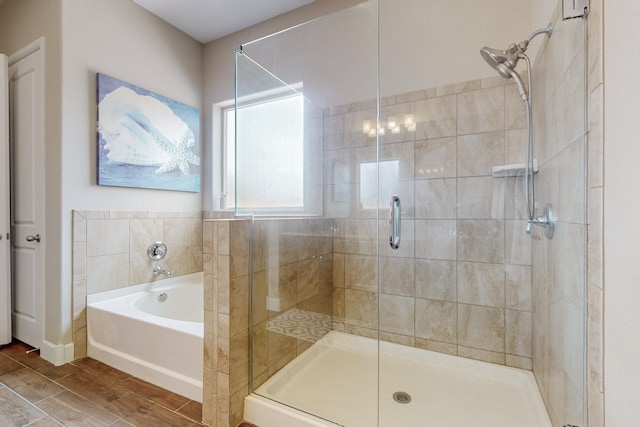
337 380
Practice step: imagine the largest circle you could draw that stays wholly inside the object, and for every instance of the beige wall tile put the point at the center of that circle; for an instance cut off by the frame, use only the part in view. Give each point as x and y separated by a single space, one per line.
259 291
436 279
516 146
79 298
79 261
517 243
360 308
397 276
435 239
79 227
282 285
397 314
481 284
519 362
107 272
481 111
239 361
518 333
440 347
481 240
182 231
239 305
436 117
478 153
484 355
481 198
481 327
223 230
436 320
107 237
144 232
360 236
435 158
435 198
360 273
518 292
141 268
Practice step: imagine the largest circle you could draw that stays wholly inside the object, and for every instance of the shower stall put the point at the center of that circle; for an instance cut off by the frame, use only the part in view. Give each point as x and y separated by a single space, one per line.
384 169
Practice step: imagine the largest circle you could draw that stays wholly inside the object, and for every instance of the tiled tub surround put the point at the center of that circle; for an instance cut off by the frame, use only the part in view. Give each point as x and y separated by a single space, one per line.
291 276
110 252
461 281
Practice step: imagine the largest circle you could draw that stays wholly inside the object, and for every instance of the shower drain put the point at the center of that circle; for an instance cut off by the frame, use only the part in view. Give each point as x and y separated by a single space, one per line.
402 397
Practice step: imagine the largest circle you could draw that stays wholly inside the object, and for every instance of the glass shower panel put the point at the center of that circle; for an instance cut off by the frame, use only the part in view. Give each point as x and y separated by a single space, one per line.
307 174
467 280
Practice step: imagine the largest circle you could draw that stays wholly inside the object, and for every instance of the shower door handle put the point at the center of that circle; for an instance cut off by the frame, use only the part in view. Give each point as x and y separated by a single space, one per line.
394 222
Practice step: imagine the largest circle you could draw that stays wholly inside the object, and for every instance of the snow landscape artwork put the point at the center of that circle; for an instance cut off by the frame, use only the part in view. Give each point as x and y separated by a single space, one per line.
146 140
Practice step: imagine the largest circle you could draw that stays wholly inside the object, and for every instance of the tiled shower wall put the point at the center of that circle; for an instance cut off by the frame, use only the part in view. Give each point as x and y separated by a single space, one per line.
559 265
595 185
110 252
292 285
290 303
461 281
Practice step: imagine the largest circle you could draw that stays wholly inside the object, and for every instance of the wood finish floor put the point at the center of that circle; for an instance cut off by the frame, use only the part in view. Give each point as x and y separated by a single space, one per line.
84 393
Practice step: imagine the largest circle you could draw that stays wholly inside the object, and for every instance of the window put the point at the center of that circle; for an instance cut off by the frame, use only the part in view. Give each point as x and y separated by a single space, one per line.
272 150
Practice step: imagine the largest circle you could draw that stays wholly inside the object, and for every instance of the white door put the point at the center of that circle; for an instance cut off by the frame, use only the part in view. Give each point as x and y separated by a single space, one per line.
26 117
5 259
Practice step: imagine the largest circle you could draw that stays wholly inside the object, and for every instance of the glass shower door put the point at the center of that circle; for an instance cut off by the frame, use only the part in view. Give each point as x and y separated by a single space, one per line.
467 280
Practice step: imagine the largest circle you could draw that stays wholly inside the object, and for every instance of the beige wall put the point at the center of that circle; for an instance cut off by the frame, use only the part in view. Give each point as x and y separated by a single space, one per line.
621 205
120 39
22 22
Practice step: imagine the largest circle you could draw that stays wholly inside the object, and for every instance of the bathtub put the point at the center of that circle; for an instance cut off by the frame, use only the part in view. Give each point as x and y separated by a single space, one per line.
152 331
337 381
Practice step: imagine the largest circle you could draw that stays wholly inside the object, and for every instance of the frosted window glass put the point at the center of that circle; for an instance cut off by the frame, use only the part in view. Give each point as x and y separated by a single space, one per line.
269 155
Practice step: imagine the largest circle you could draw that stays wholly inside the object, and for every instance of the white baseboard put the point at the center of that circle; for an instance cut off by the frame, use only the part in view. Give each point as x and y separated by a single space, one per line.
58 354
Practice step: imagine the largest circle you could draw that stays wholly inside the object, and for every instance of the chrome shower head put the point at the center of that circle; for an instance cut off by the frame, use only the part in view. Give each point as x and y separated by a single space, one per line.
505 61
497 57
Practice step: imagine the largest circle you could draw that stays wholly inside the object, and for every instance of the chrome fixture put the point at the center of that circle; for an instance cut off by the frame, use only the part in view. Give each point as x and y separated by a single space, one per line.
162 297
157 251
157 270
402 397
504 62
546 221
394 222
574 9
35 238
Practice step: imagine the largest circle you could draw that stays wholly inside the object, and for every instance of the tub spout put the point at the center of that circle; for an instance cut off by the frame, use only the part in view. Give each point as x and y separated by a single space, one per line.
157 270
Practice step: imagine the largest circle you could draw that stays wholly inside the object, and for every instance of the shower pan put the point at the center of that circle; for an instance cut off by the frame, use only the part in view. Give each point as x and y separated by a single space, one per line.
440 307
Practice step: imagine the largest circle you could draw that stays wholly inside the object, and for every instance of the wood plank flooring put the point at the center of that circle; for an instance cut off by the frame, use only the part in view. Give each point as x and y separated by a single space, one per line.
83 393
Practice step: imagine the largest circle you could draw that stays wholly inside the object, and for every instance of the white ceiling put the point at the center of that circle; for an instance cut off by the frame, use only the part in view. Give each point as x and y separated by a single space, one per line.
208 20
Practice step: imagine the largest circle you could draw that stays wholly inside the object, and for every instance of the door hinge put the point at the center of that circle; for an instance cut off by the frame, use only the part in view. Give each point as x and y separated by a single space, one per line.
574 9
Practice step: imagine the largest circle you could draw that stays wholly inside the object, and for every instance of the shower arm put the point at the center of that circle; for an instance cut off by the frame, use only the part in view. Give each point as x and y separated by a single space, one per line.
547 30
525 43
